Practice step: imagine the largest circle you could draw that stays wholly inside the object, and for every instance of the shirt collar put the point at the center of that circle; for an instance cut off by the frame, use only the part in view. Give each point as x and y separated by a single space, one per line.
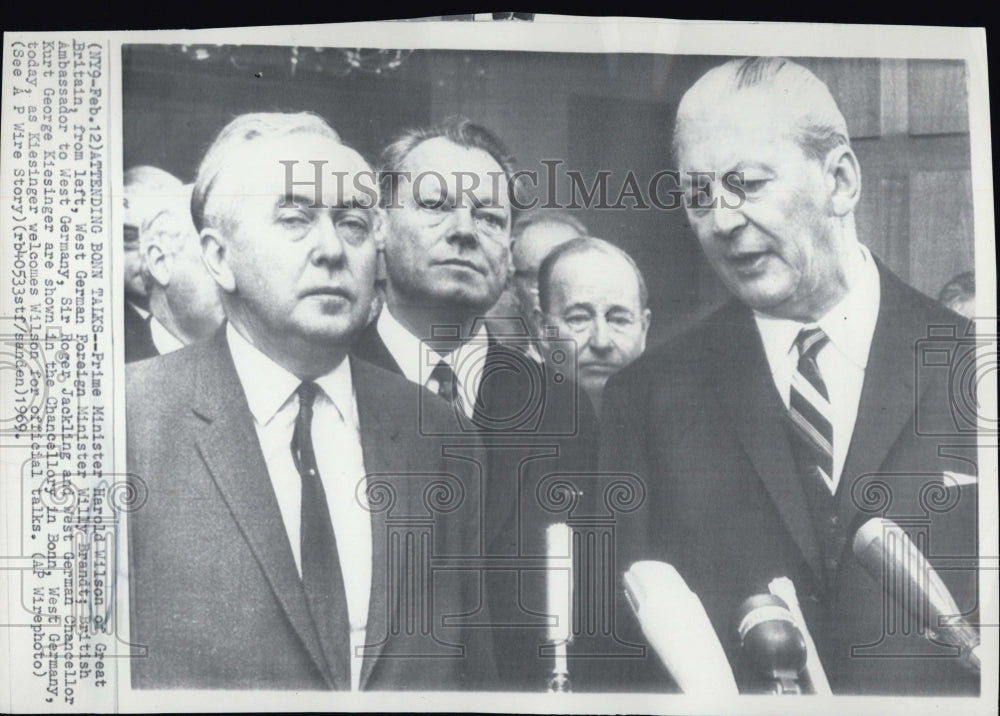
850 324
416 359
164 340
268 386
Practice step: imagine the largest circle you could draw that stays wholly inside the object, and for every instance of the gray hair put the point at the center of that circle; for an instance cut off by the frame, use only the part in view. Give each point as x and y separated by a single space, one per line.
537 217
146 190
960 289
580 246
820 124
169 227
458 130
233 141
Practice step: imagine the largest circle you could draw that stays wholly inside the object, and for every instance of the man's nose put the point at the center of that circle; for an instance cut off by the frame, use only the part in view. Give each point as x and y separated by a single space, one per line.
463 222
726 219
329 246
600 335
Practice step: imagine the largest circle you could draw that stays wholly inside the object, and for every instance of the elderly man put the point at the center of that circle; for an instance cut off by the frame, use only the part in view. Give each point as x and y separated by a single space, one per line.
147 190
769 433
447 257
274 470
592 292
183 298
534 236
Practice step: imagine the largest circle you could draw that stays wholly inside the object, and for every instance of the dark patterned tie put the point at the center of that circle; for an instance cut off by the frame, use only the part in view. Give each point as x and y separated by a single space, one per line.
809 404
321 575
447 382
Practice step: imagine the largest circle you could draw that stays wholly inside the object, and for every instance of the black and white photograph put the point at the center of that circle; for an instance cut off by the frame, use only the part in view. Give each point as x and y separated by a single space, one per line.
535 377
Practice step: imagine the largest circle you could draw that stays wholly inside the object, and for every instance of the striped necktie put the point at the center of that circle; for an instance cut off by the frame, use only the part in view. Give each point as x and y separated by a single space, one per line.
809 404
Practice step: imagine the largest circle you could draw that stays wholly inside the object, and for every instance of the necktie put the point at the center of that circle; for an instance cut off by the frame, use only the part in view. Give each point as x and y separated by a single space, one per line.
809 405
321 575
447 382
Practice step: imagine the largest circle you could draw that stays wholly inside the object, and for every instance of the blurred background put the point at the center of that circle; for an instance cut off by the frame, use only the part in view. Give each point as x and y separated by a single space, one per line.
592 112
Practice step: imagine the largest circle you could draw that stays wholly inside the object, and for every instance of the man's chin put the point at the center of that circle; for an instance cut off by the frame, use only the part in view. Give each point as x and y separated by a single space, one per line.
343 330
471 299
762 294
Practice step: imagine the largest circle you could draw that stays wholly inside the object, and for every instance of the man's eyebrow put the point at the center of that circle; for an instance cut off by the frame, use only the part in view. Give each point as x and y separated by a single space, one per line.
353 203
295 200
579 306
618 308
487 202
303 201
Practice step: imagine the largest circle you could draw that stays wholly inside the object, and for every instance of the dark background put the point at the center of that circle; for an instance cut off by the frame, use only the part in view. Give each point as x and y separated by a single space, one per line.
908 121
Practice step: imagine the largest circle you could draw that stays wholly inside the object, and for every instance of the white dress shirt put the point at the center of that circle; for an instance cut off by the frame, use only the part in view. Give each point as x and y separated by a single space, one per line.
417 360
270 392
164 340
850 325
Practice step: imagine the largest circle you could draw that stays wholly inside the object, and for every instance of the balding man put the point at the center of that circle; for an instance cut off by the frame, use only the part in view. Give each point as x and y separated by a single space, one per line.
593 292
183 298
275 473
772 430
147 190
535 234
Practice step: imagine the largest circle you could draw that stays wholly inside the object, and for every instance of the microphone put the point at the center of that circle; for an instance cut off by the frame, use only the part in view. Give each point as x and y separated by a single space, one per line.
559 597
773 642
676 625
889 556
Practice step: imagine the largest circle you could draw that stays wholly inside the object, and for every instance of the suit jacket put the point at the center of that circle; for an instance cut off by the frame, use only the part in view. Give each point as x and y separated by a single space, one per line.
702 424
215 597
138 337
535 428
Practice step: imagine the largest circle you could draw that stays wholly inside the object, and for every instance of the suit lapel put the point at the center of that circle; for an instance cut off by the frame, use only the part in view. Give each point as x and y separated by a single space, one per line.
887 397
748 396
370 347
228 444
379 430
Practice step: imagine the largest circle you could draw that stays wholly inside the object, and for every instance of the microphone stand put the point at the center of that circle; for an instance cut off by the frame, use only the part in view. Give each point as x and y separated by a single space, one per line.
559 592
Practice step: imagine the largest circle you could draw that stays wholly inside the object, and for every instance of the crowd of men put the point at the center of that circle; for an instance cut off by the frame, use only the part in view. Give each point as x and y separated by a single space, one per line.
349 476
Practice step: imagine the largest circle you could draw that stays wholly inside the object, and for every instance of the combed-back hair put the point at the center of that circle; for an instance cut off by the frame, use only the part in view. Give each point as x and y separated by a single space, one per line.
236 138
820 124
580 246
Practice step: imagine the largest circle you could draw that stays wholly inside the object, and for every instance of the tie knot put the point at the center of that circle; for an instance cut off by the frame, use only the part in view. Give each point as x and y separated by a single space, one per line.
307 391
810 341
444 376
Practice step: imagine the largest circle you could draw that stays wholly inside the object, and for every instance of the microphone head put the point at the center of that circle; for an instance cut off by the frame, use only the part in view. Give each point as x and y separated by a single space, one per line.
770 637
674 622
874 529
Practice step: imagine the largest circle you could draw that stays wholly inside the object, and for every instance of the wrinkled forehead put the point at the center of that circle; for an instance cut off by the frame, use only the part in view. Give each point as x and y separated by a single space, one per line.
756 110
305 165
537 241
740 124
439 164
593 273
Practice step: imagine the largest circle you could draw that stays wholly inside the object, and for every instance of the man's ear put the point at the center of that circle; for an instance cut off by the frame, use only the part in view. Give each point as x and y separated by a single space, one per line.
380 227
540 322
645 320
216 259
158 262
843 178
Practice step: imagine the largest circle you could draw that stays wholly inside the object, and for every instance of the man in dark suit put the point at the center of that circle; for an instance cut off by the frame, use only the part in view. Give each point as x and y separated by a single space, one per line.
768 433
447 257
276 474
